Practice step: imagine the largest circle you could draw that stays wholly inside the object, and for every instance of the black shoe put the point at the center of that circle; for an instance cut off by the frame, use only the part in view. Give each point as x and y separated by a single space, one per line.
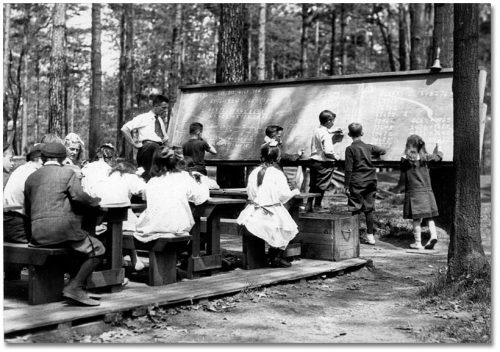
432 242
79 296
280 263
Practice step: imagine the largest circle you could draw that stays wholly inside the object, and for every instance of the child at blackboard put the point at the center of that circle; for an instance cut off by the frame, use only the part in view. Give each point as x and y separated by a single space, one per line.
419 199
275 133
360 177
265 216
196 147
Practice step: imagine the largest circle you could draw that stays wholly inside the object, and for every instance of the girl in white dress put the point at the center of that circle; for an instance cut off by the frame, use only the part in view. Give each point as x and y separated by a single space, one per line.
168 194
265 216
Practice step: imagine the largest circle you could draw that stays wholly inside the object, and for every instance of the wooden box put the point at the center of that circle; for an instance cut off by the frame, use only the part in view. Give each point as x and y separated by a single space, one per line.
328 236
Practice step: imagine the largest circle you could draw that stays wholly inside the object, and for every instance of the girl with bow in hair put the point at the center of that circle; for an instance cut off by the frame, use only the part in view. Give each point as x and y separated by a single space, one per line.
168 194
265 216
419 200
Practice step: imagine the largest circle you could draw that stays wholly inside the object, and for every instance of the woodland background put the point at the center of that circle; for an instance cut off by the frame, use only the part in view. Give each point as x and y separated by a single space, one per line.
107 58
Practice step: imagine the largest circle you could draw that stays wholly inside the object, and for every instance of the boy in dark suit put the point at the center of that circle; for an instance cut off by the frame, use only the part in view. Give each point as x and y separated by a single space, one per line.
196 147
361 178
51 195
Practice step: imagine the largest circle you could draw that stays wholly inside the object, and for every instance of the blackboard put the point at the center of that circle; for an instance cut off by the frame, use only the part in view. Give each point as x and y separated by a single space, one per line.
390 106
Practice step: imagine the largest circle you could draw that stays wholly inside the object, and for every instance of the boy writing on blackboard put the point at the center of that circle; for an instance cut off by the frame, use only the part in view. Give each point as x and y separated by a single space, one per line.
360 177
323 157
196 147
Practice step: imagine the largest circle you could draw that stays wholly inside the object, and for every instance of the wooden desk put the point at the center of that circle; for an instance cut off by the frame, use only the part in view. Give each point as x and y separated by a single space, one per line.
213 209
293 205
113 274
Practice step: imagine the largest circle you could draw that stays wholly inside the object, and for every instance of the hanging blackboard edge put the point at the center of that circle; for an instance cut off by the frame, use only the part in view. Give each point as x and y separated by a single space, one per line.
306 162
355 77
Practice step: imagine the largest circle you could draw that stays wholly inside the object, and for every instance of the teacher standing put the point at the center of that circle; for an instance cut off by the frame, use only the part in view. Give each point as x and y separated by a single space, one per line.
152 134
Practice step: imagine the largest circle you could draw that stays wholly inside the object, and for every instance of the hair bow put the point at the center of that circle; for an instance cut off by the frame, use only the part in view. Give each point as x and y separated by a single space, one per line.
273 143
167 152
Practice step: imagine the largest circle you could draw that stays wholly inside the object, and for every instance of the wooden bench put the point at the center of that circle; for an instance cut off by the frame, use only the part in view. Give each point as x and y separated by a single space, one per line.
46 270
162 256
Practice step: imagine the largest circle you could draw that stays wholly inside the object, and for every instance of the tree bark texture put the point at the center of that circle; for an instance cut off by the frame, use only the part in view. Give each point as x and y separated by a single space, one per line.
230 63
6 67
418 53
443 34
246 42
386 36
304 67
57 71
95 132
25 85
318 50
465 253
175 68
343 42
261 61
332 41
404 37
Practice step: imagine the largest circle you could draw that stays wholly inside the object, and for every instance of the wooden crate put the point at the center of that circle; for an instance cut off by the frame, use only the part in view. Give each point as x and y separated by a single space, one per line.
328 236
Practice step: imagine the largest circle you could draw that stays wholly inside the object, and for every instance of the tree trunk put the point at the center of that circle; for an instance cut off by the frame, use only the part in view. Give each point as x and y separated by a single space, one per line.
465 252
304 67
25 85
418 53
261 63
57 71
343 44
318 50
387 38
332 42
72 98
246 42
95 132
404 37
129 71
230 63
443 34
6 68
37 99
125 89
175 68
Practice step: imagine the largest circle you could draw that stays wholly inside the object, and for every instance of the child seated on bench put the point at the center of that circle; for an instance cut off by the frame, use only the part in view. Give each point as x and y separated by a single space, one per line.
116 190
265 216
168 194
51 194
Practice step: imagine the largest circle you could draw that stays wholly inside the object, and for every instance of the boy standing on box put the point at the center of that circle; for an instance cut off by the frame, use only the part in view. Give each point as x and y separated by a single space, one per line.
196 147
361 178
323 157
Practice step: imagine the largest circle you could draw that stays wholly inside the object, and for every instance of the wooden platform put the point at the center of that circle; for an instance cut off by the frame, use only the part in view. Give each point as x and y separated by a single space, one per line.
19 317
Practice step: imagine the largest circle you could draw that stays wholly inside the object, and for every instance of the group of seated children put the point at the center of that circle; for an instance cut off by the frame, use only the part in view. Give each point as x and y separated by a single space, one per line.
53 198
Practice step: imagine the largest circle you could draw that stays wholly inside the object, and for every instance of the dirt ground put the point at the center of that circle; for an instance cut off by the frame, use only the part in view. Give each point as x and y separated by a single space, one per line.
369 305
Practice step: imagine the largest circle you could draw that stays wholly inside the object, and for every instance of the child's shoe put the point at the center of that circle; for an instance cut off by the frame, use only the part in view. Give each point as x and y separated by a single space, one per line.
370 239
431 243
416 245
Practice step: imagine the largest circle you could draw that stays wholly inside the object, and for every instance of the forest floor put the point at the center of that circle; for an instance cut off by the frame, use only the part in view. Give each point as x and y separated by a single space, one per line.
379 303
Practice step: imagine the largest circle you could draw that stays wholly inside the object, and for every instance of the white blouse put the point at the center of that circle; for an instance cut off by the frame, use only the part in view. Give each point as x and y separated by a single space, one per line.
168 212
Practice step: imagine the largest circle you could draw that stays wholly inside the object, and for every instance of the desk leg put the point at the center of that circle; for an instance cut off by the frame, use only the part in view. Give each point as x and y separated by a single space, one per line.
45 282
195 248
116 257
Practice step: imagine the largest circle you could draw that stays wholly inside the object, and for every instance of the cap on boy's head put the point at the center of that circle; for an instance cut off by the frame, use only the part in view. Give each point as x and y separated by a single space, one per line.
54 150
355 129
325 116
195 128
271 130
35 152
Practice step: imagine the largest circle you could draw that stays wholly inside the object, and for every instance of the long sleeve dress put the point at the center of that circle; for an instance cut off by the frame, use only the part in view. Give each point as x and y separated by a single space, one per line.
265 216
168 212
419 200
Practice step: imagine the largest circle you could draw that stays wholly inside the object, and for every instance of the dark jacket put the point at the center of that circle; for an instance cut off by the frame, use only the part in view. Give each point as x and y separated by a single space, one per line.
419 199
52 196
359 169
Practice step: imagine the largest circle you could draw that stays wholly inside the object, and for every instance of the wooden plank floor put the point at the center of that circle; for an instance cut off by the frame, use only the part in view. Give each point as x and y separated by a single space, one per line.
19 316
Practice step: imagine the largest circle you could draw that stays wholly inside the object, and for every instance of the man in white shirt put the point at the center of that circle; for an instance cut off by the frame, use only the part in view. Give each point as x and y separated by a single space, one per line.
14 221
323 157
152 134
